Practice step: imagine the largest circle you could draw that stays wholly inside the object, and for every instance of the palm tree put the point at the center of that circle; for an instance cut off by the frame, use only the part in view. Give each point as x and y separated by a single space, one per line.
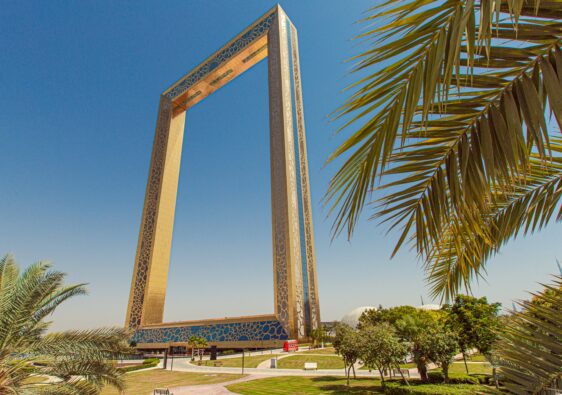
529 349
76 362
318 336
197 342
451 115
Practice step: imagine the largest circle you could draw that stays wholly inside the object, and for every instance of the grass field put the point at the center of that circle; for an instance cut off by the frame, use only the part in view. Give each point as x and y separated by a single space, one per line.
323 361
249 362
327 385
143 383
473 368
477 358
456 367
326 350
306 385
410 365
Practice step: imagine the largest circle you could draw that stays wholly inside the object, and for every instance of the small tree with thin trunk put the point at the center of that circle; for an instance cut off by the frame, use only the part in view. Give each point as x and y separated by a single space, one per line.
201 344
381 349
347 344
197 342
475 322
417 329
442 347
317 335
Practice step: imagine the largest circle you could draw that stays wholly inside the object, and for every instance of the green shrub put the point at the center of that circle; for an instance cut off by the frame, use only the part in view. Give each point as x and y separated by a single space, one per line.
454 378
150 361
484 378
397 388
228 352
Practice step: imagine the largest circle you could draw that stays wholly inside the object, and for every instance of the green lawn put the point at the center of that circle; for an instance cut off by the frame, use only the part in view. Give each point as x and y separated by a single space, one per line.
410 365
143 383
295 385
325 350
477 358
333 386
323 361
473 368
249 362
456 367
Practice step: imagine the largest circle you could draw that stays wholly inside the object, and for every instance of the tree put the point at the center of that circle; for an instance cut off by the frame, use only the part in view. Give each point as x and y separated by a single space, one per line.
475 322
390 315
529 351
79 361
381 349
347 343
450 117
418 329
202 344
197 342
318 337
442 348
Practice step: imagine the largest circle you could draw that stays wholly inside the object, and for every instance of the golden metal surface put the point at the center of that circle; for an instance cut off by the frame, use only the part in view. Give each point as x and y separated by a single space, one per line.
289 183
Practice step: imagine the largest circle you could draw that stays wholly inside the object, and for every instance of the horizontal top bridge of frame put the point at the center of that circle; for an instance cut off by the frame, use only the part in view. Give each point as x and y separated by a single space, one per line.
233 59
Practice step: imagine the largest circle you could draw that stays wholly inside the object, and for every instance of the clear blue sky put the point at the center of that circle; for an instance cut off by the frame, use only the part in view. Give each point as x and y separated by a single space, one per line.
79 88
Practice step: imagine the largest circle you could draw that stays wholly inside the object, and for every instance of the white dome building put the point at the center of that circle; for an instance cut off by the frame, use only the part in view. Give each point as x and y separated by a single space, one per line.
352 318
429 307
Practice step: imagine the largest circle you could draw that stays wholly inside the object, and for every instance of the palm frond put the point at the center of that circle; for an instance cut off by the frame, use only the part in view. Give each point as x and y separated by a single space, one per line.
102 343
530 346
81 360
526 206
445 127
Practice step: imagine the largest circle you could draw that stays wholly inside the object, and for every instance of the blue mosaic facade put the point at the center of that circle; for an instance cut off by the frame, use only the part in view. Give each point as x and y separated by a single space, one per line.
227 332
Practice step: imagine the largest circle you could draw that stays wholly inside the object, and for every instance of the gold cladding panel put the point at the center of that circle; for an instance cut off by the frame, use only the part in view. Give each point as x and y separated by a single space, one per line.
148 287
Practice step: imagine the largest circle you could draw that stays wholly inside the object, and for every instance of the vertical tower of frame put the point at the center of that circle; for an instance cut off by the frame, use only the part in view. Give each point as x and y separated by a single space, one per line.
308 256
294 267
150 273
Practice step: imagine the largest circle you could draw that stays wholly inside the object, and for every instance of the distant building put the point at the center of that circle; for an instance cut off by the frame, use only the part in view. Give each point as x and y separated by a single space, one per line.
429 307
352 318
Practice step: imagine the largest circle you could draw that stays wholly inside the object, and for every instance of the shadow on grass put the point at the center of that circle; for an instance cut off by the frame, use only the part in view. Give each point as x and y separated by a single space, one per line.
356 386
326 378
343 389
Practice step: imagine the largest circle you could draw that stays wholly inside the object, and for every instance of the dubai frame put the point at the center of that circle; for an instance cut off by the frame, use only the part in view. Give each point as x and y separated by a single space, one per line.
296 308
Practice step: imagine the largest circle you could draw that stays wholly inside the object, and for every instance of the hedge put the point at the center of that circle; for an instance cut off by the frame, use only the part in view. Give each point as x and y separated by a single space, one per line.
147 363
398 388
454 378
461 378
150 361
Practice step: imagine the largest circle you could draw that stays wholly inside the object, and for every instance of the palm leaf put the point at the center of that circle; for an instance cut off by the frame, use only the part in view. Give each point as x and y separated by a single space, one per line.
453 111
530 346
526 206
81 360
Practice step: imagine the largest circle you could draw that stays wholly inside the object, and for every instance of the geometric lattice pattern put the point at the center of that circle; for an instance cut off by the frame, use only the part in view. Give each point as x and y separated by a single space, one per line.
296 304
229 332
258 30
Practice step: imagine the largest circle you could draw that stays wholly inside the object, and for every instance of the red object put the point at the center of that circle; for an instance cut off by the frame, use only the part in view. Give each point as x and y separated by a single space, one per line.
291 345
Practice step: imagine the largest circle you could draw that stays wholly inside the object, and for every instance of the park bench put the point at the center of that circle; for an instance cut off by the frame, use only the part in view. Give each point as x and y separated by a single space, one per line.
162 391
310 366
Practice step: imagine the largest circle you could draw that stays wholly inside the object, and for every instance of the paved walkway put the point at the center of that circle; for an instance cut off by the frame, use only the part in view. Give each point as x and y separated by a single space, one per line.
183 365
212 389
262 371
267 363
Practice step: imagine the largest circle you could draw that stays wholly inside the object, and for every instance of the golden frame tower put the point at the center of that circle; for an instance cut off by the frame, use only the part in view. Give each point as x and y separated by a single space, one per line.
296 308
